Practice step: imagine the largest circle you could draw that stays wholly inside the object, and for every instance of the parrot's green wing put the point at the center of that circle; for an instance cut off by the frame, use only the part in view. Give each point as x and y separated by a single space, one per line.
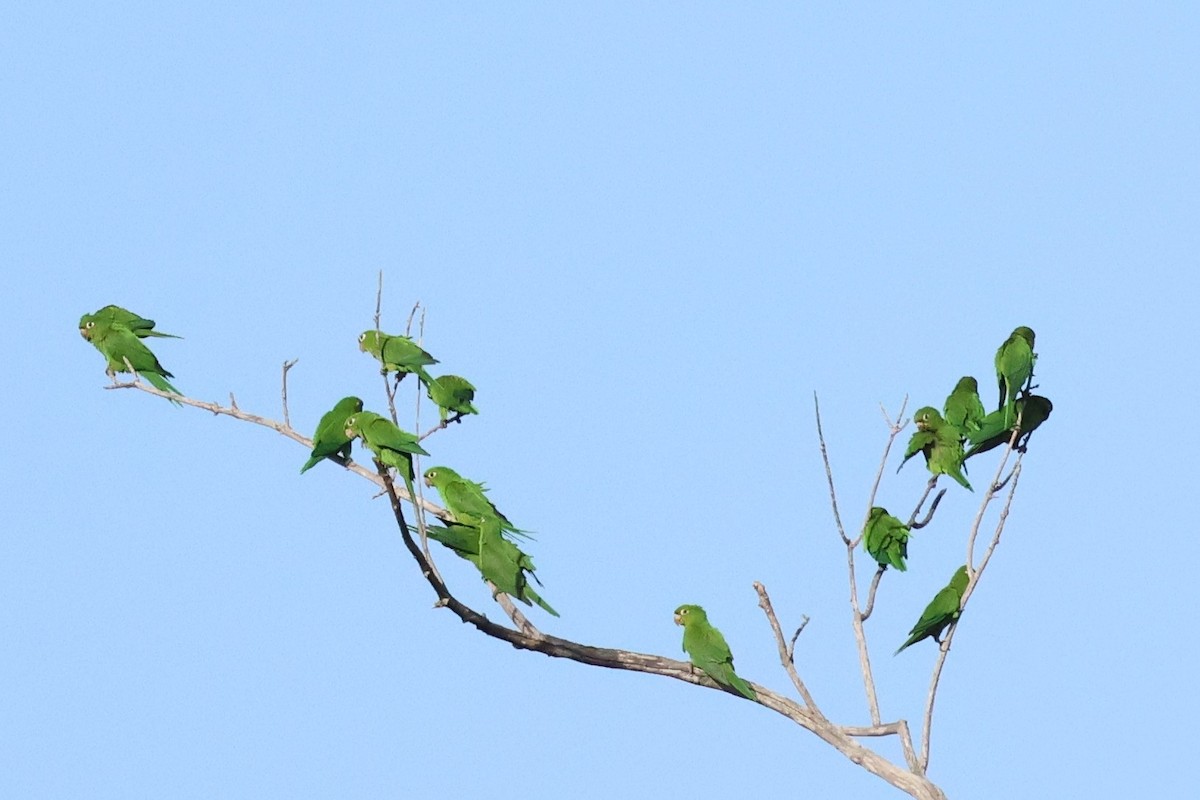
946 456
397 353
708 650
941 611
964 409
498 560
330 437
886 539
139 326
1014 368
919 442
465 499
1032 410
119 345
452 395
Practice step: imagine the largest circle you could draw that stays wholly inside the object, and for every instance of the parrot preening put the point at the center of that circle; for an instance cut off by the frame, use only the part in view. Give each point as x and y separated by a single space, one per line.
964 409
498 560
1032 410
940 443
465 499
452 395
708 650
118 344
886 539
941 611
1014 368
138 326
398 354
331 438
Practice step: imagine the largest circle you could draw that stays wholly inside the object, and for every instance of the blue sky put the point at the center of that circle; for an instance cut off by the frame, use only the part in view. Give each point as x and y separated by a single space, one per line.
647 234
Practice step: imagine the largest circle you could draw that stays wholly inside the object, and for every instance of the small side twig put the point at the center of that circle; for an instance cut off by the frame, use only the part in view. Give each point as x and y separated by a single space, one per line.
786 654
929 514
287 419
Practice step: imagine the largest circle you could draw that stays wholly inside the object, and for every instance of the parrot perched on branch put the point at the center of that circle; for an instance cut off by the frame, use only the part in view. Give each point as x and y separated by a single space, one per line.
398 354
465 499
940 443
331 438
1014 368
964 409
1032 410
452 395
118 345
708 650
886 539
392 447
941 611
498 560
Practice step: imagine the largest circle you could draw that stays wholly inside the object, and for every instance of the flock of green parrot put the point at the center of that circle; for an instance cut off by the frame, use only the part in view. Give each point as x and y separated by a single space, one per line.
477 531
943 439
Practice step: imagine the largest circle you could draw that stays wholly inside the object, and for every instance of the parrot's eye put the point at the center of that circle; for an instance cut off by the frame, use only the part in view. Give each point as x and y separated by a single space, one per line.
90 325
362 337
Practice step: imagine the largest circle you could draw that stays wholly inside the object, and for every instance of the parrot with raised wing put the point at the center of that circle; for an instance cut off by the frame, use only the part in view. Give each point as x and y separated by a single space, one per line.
940 443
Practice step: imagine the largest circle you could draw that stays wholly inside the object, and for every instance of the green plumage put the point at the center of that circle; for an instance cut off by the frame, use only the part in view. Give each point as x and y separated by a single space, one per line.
886 539
708 650
940 444
941 611
398 354
498 560
138 326
330 437
964 409
392 447
1014 368
465 499
1032 410
118 344
452 395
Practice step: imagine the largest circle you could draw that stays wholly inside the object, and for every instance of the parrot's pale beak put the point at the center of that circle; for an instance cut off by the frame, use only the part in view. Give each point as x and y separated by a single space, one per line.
428 483
678 620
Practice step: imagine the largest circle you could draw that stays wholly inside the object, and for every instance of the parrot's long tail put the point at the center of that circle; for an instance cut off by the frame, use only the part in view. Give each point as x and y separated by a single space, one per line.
736 682
161 383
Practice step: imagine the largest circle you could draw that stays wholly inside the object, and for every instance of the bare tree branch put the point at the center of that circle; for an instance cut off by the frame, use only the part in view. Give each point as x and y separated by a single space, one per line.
287 419
786 655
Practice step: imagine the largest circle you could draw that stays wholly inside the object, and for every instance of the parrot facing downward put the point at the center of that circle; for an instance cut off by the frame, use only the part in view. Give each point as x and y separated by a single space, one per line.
1014 368
465 499
451 394
398 354
708 650
499 561
118 344
964 409
939 442
331 438
1032 410
138 326
941 611
391 446
886 539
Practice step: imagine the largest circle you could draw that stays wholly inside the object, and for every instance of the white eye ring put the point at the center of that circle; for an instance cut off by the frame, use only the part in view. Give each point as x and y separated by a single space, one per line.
362 337
90 324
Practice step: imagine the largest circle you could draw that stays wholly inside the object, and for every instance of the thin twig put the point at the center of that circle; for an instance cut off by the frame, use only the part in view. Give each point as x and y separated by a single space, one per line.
916 526
287 419
791 650
837 517
786 655
932 482
866 614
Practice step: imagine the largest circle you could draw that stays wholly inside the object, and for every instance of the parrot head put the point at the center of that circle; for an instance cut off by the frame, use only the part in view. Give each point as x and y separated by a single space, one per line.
352 431
925 417
1025 333
368 341
968 384
689 613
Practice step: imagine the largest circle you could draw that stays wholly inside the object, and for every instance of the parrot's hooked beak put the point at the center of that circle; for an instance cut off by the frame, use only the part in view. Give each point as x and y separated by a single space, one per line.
428 483
678 620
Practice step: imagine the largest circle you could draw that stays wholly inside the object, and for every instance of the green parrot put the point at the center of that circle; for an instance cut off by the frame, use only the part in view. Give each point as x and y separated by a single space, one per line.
886 539
939 442
118 344
398 354
964 409
391 446
451 394
941 611
138 326
465 499
708 650
330 438
1032 410
498 560
1014 368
